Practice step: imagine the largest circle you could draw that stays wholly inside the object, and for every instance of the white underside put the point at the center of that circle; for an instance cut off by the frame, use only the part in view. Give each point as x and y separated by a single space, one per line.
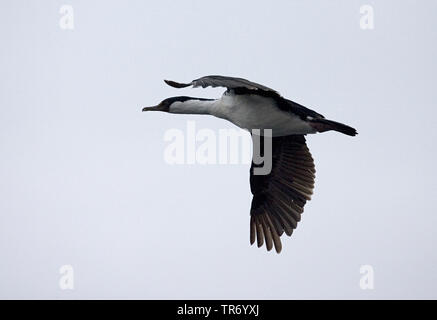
257 112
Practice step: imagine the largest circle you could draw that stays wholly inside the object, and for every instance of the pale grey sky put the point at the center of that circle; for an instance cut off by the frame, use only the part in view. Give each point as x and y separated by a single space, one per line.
82 176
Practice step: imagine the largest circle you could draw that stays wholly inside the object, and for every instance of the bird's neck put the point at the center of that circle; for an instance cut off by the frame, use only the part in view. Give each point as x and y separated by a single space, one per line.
193 106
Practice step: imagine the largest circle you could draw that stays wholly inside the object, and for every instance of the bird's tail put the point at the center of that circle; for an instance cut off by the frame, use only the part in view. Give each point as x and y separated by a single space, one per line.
322 125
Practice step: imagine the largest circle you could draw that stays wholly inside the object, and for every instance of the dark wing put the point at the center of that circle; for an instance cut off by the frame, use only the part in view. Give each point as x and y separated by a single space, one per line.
297 109
279 197
221 81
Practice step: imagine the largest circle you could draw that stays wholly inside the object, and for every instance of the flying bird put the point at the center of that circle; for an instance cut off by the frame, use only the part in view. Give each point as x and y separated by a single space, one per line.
280 196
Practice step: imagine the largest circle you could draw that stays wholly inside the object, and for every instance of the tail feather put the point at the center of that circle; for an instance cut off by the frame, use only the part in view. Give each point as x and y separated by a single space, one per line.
322 125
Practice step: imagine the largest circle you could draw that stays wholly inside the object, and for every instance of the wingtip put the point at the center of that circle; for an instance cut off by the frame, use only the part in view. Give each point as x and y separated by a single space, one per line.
175 84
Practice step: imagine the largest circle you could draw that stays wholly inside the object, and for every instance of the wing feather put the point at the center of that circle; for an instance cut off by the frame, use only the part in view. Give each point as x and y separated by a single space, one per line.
279 197
221 81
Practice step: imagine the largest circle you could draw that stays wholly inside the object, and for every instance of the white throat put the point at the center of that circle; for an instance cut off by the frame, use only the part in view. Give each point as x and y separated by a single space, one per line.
193 106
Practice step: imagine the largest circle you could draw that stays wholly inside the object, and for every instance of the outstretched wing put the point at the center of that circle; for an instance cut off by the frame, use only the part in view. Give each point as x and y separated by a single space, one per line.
221 81
243 86
279 197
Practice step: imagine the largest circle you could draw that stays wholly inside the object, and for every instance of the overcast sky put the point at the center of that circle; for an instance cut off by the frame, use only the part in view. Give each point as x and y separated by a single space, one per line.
83 180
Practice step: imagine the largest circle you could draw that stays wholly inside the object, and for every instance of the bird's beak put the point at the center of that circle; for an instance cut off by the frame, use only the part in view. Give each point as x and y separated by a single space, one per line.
160 107
155 108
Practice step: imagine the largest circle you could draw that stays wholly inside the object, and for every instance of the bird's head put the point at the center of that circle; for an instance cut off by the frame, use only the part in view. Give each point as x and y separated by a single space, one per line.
164 105
181 104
